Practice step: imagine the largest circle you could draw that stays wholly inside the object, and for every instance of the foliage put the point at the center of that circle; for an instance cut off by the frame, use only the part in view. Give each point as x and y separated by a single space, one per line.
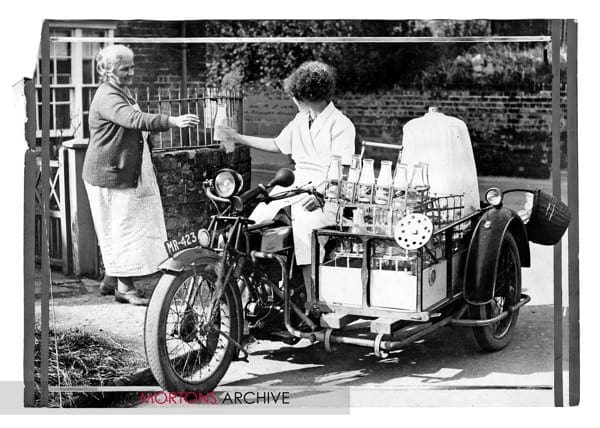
360 66
364 67
498 66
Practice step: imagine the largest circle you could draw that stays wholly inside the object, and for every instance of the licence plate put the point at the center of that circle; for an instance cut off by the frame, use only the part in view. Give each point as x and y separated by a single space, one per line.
187 240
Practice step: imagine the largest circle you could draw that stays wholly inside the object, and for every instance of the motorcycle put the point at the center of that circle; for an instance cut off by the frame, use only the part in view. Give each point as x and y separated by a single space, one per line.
220 278
237 279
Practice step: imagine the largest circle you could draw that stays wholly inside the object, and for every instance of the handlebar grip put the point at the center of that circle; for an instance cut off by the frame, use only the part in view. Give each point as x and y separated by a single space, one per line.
238 202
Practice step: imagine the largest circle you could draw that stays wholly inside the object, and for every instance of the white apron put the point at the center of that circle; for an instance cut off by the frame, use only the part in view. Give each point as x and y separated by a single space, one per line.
129 223
331 133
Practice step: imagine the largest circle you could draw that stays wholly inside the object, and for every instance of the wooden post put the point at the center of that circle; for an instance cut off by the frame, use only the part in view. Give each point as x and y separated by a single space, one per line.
65 220
556 155
29 248
83 236
45 301
573 186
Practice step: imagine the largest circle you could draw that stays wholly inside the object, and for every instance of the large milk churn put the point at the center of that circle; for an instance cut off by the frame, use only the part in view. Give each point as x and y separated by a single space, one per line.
443 142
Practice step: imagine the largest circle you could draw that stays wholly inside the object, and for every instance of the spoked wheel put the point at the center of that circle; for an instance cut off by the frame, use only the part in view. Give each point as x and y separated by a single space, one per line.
188 346
507 293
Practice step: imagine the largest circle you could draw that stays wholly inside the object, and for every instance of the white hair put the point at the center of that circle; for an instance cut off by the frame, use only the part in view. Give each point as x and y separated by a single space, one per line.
110 57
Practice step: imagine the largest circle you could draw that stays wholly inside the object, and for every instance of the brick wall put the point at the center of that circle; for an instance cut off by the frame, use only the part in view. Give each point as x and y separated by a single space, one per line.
160 65
180 175
510 131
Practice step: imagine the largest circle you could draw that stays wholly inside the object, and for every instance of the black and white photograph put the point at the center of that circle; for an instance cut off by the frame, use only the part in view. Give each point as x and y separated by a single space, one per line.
300 215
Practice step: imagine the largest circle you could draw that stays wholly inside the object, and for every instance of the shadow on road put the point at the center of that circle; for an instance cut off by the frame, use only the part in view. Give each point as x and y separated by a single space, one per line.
448 356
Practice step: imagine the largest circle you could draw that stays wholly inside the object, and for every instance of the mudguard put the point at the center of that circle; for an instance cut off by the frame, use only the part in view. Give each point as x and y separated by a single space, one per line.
186 258
484 251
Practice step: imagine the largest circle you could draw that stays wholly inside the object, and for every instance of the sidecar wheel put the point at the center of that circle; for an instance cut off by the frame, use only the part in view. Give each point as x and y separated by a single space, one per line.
497 336
187 349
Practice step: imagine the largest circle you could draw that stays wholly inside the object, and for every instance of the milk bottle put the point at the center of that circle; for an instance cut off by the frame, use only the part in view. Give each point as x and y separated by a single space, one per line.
366 182
334 178
384 182
349 186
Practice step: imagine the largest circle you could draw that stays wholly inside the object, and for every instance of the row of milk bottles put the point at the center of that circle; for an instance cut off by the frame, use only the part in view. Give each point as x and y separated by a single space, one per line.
380 202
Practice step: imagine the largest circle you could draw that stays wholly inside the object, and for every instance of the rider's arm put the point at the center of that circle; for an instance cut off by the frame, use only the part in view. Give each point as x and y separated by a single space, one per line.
260 143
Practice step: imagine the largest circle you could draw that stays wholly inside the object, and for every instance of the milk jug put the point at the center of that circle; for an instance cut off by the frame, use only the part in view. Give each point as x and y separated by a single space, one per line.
443 143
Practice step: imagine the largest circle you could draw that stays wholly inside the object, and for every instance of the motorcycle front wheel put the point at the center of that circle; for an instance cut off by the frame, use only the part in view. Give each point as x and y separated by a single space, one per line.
188 348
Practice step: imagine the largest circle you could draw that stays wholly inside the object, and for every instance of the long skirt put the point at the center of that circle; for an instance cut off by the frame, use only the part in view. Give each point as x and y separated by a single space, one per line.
130 225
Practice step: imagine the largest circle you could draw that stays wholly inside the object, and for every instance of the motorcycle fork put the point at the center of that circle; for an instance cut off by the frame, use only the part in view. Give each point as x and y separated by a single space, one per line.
192 292
222 277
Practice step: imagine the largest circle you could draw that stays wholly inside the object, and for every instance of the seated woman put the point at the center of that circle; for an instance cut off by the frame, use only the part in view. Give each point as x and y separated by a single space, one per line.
318 132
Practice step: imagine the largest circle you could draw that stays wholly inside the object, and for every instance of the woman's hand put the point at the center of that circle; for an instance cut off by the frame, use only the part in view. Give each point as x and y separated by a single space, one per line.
312 203
184 121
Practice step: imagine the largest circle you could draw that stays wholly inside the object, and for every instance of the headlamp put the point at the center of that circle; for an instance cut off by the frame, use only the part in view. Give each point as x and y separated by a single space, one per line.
494 196
228 183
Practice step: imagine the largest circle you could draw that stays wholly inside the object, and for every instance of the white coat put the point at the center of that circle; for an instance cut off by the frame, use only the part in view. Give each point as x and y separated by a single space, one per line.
331 133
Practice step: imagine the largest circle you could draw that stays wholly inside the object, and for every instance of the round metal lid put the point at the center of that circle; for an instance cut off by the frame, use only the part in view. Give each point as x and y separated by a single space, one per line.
413 231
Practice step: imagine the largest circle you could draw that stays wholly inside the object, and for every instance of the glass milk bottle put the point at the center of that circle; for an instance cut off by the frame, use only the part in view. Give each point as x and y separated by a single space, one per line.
220 120
349 186
366 182
417 188
426 185
334 178
382 220
399 189
384 182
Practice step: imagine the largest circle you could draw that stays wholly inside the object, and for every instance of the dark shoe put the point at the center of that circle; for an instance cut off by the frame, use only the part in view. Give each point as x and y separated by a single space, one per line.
132 297
108 285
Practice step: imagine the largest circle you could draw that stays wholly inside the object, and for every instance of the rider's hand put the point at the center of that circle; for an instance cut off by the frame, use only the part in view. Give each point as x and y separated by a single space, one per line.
227 132
312 203
184 121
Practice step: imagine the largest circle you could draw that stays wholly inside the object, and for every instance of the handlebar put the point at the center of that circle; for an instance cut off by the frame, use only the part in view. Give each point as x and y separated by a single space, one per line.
240 201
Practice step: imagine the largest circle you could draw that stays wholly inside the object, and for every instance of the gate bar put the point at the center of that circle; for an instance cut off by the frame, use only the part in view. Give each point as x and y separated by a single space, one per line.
225 40
573 186
556 191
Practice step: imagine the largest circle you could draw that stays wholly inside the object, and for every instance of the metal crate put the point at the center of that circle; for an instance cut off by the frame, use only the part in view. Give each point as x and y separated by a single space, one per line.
369 275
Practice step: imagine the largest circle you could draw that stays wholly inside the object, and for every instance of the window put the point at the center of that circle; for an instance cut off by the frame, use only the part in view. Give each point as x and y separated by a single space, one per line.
73 80
90 78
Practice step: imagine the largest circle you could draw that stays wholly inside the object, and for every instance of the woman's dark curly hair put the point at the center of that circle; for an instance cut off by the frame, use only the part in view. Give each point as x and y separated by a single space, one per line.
312 81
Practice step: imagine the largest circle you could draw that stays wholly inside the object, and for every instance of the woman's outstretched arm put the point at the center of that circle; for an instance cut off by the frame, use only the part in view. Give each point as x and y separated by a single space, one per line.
260 143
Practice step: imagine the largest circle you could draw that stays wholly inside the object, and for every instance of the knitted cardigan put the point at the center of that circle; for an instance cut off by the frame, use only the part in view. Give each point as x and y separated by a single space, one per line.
114 155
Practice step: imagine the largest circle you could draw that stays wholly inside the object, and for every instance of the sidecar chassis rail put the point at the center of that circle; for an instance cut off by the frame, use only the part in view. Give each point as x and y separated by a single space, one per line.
381 347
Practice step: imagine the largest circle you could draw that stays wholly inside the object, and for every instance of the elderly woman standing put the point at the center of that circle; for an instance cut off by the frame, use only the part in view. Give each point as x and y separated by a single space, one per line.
318 132
119 177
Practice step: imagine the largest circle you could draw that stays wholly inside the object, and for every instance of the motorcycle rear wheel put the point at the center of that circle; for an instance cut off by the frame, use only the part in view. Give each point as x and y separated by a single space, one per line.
187 349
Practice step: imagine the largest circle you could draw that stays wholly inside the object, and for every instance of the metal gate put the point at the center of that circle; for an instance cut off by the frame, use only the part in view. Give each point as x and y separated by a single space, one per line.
59 231
202 102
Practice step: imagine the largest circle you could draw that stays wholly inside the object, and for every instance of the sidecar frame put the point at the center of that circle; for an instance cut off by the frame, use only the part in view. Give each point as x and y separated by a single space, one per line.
467 274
